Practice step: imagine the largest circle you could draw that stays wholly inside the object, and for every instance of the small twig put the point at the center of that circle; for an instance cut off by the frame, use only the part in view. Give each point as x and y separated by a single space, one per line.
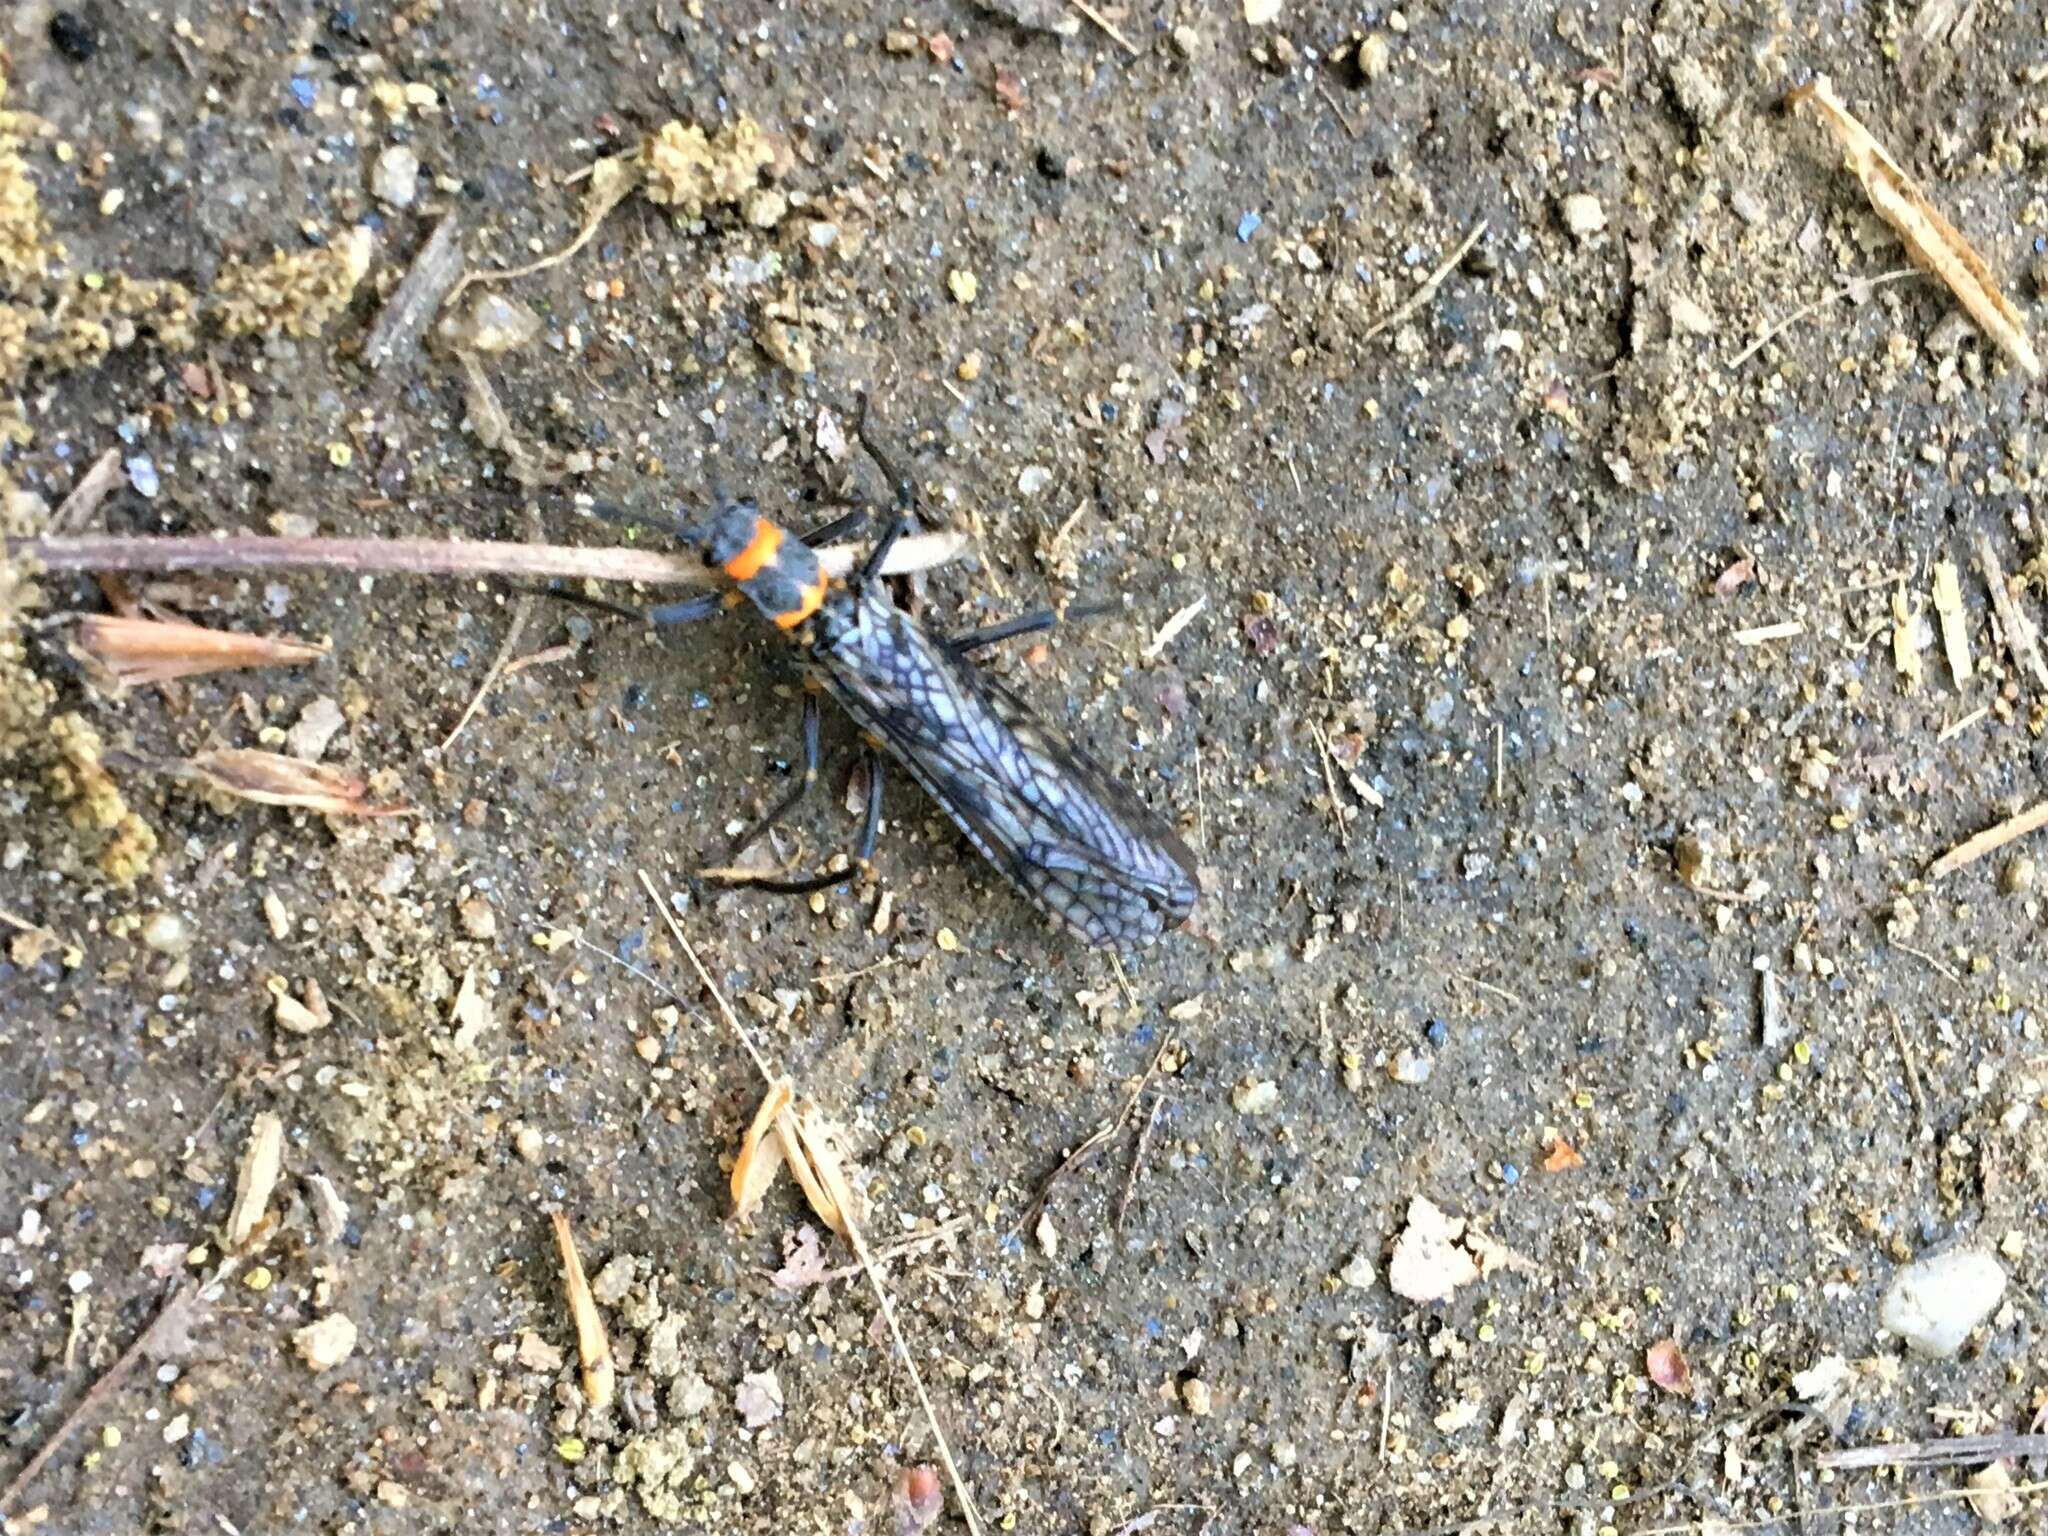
1430 284
1123 1204
1330 783
2019 629
92 489
418 296
1170 630
1912 1075
1990 840
430 557
1323 90
1102 21
867 1264
1486 986
1933 960
172 1320
653 981
1102 1134
724 1008
545 656
902 1247
1847 290
593 1349
1116 964
520 612
1956 1451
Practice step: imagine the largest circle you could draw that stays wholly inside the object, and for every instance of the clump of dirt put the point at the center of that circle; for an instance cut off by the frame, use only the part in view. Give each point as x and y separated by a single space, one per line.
296 292
93 802
59 322
25 698
23 250
691 172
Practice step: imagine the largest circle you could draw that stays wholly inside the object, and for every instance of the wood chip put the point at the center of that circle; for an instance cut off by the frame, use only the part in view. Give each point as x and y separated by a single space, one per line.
418 296
1990 840
593 1349
1764 633
1955 624
2020 638
255 1177
1905 642
1929 238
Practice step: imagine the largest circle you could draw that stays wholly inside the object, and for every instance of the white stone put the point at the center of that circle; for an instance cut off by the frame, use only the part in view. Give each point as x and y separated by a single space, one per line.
395 181
1934 1302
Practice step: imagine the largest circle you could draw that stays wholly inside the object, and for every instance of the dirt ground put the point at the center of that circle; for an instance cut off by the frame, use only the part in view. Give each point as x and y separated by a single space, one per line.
1544 697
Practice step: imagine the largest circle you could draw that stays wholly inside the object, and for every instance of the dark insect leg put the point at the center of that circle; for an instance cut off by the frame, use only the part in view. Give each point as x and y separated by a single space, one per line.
686 611
843 526
1023 624
797 791
904 492
871 827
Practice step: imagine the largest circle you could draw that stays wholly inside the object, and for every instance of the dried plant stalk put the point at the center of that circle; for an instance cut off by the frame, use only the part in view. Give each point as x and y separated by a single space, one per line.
125 653
593 1349
270 778
1930 239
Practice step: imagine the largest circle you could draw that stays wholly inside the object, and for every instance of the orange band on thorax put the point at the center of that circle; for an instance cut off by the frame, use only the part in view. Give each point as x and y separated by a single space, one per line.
750 561
812 599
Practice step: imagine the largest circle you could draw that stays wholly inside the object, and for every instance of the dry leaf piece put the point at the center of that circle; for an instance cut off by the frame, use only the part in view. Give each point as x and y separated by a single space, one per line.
1930 239
811 1147
255 1177
761 1154
270 778
123 653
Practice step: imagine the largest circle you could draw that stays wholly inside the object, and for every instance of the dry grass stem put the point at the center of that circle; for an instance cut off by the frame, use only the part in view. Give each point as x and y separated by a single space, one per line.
1930 239
593 1349
434 557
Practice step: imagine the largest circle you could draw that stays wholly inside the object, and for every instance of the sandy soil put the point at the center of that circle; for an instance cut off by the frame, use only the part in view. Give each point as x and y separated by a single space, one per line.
1544 697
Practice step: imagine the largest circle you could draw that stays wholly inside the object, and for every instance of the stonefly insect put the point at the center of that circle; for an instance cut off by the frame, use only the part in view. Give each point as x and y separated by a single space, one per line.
1080 848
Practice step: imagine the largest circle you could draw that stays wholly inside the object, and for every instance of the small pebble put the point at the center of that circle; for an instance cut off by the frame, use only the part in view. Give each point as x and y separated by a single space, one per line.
167 933
493 325
529 1143
1187 42
963 285
1372 56
318 724
1201 1402
1934 1302
2017 878
326 1343
143 476
478 920
1583 215
395 180
1411 1067
1033 479
1261 13
1255 1096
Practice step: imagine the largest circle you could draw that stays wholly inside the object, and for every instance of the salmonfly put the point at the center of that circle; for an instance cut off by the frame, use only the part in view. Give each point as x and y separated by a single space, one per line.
1083 850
